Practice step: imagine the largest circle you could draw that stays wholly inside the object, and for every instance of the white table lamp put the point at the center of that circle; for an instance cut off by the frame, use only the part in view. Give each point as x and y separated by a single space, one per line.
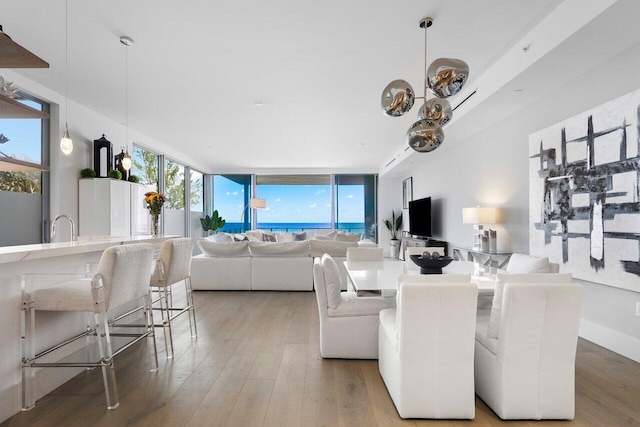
479 216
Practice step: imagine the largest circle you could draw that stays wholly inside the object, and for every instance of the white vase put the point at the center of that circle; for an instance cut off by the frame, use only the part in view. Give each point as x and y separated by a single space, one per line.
394 246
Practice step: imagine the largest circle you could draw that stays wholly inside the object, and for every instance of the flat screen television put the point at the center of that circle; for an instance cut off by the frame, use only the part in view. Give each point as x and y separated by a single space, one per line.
420 217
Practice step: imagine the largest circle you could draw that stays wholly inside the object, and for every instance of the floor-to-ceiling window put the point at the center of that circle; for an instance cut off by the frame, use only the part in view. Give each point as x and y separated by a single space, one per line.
174 190
355 204
196 205
294 202
24 207
231 196
145 166
298 202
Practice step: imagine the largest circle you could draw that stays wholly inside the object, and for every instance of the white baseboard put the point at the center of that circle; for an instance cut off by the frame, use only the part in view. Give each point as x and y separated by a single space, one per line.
613 340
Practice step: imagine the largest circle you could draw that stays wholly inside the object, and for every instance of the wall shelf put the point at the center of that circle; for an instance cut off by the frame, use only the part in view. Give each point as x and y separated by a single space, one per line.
12 109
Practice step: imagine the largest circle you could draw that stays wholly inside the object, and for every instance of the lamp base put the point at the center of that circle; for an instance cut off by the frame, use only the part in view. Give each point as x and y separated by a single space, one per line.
477 237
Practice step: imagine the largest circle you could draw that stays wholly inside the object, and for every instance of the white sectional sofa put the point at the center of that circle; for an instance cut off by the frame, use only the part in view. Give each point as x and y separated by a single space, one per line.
259 265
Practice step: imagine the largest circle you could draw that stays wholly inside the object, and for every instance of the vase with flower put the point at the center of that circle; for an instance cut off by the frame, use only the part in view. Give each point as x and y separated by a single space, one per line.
154 202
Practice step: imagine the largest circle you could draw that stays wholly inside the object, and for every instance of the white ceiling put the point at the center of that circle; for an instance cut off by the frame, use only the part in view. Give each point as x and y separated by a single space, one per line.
197 69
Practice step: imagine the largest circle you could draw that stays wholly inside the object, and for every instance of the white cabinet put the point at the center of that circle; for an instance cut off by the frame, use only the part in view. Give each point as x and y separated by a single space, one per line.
111 207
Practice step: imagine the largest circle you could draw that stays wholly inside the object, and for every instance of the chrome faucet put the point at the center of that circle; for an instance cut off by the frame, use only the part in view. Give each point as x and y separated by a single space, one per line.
53 227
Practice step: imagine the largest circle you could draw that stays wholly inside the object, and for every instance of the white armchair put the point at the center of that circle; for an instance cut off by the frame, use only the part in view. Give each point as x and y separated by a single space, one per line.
528 371
348 324
426 347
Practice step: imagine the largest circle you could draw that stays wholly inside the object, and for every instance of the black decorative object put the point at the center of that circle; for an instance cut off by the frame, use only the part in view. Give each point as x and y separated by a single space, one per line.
102 156
429 265
118 165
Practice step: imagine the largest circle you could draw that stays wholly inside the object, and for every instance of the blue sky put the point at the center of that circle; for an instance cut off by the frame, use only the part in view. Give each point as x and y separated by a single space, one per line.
292 203
24 137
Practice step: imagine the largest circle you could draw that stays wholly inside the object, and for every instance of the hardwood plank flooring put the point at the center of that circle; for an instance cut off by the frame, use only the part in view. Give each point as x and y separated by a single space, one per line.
256 362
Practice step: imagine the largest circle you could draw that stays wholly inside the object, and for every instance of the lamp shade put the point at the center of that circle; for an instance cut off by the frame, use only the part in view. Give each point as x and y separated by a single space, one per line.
258 203
479 215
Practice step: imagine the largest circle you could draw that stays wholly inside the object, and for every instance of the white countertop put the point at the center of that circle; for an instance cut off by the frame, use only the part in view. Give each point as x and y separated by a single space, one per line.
83 245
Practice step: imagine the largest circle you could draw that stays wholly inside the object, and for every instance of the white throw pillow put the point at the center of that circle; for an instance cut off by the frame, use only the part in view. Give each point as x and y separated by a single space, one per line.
331 247
346 237
332 281
282 249
222 238
224 249
254 235
284 237
498 292
526 264
322 238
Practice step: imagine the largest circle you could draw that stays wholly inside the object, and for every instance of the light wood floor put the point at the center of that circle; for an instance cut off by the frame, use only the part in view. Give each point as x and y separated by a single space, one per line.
256 362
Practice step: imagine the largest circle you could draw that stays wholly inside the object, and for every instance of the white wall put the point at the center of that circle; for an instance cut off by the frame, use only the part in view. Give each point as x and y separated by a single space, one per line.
389 198
85 125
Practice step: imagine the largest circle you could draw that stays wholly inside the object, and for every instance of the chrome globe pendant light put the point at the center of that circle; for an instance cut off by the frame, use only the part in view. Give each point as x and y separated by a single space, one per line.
444 77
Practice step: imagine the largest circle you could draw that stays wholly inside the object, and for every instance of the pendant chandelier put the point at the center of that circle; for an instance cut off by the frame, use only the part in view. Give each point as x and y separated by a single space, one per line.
444 77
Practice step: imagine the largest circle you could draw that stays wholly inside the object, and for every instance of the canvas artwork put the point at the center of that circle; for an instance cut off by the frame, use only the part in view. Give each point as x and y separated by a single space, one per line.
584 193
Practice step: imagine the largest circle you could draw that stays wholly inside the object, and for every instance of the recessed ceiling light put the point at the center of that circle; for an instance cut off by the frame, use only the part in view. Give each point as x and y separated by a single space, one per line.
258 103
518 90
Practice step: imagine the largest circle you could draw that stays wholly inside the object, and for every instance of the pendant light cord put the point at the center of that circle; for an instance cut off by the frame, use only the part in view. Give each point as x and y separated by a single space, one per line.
425 61
66 63
126 97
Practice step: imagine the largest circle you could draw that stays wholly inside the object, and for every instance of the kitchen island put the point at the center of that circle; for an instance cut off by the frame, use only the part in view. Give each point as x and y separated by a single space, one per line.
46 258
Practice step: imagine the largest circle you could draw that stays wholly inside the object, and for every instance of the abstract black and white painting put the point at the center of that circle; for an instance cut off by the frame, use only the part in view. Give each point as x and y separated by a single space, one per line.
584 193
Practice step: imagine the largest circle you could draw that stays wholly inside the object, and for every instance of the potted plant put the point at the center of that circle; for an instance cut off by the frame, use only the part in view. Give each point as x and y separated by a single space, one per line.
394 225
213 223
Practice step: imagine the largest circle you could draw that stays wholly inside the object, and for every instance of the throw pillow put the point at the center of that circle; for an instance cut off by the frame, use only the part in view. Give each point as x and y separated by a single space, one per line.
299 237
224 249
239 237
222 237
268 237
254 235
346 237
284 237
526 264
332 281
502 279
321 238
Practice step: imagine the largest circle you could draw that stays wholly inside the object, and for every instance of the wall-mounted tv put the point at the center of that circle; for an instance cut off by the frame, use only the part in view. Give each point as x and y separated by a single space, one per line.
420 217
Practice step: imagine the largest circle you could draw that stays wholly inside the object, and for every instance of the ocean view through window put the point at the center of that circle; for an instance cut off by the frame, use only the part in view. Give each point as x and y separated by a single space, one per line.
298 202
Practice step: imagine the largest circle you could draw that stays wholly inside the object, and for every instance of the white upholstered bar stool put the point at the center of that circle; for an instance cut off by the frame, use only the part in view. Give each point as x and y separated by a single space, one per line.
173 266
122 277
426 347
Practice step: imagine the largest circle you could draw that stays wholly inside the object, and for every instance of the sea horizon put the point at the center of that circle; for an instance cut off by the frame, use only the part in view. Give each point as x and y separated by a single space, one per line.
354 227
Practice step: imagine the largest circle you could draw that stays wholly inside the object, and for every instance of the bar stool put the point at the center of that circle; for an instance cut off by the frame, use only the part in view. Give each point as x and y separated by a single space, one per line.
172 266
121 278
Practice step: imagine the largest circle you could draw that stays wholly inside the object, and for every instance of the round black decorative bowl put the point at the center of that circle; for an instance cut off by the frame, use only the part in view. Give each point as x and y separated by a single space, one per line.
431 265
